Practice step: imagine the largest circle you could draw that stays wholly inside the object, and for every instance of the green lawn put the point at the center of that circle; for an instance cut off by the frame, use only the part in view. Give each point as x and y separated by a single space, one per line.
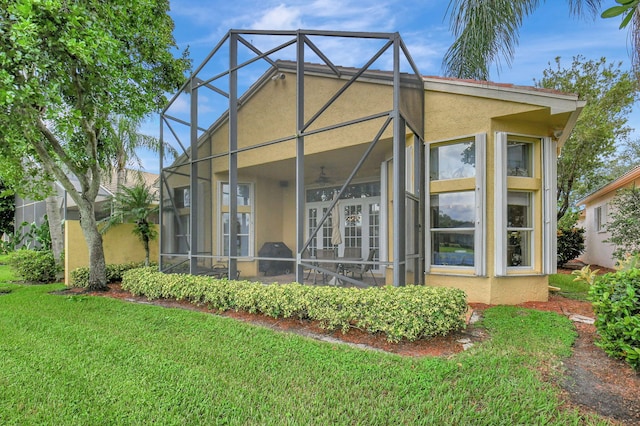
92 360
569 288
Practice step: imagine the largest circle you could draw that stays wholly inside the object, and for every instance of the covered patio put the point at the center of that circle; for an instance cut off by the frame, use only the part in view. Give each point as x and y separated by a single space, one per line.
280 144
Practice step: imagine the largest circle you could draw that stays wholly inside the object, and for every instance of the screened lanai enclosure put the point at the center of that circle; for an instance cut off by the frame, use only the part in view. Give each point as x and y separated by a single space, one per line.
299 153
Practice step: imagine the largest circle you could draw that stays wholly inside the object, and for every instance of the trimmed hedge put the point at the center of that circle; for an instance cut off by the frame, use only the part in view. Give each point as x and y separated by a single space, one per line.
79 277
616 303
409 312
37 266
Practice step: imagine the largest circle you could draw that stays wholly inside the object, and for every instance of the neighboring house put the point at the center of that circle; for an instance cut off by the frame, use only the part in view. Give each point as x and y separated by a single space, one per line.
594 217
120 245
31 211
446 182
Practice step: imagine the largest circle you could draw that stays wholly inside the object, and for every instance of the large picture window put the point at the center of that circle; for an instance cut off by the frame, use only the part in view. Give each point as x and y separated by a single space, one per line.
453 229
242 222
455 206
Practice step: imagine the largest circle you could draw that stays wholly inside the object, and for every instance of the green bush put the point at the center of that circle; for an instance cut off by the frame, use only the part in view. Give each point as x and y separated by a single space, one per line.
616 303
34 266
570 239
410 312
79 277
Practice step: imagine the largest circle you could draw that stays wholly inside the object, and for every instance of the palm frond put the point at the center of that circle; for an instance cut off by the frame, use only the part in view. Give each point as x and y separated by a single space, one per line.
487 32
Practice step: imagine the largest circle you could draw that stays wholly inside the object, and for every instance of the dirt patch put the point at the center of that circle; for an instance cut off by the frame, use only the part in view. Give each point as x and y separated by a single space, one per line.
592 381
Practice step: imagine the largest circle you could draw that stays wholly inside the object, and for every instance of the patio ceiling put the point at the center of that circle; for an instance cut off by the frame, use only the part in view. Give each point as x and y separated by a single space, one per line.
338 165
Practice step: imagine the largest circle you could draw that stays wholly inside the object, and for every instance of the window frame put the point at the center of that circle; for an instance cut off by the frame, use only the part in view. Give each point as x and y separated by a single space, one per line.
542 185
241 209
185 198
600 218
475 184
528 229
530 160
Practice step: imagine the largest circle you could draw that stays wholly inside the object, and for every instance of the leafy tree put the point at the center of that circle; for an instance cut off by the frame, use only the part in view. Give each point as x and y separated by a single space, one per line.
627 157
7 209
65 68
610 94
624 222
135 205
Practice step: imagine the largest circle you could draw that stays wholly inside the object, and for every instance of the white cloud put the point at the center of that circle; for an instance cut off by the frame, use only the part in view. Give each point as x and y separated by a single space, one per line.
281 17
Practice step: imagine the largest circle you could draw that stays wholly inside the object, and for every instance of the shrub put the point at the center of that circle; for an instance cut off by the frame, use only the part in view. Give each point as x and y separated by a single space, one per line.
34 266
616 303
410 312
624 222
79 277
570 239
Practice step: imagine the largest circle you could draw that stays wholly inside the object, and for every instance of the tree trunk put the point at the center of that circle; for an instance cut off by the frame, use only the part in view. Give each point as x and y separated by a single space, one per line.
97 270
52 204
121 176
146 251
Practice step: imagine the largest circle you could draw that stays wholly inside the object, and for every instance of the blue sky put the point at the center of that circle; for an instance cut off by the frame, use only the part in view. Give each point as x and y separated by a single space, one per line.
550 32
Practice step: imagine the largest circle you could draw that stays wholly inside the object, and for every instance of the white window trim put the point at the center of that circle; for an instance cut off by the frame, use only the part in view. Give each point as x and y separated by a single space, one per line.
549 244
549 206
479 267
220 224
481 223
600 215
500 204
531 229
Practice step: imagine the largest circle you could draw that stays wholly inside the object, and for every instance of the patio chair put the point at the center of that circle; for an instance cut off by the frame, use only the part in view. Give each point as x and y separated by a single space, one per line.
362 268
221 270
352 252
326 254
306 257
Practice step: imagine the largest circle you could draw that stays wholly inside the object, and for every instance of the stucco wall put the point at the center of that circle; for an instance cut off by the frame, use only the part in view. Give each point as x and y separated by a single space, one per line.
120 246
597 251
270 114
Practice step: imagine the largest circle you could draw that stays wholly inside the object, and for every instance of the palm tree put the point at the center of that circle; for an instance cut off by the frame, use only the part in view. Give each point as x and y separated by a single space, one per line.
127 138
136 205
487 31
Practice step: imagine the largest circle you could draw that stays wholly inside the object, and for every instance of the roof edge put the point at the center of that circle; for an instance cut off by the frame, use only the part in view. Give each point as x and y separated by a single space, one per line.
618 183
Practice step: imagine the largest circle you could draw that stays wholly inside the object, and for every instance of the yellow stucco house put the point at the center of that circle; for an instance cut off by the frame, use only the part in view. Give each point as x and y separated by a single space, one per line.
400 178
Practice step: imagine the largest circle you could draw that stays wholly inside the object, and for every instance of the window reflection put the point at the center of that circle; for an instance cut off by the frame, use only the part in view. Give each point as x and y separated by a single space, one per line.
243 194
242 233
453 229
519 158
453 210
519 228
453 161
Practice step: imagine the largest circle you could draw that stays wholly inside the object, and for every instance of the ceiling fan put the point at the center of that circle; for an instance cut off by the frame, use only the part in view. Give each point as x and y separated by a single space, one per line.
322 177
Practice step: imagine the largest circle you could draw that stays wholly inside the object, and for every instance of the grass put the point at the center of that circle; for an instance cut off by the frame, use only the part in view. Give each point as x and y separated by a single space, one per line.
92 360
5 272
568 288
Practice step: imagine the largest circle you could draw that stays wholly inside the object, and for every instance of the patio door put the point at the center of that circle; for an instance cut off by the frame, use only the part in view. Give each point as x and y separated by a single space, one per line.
359 225
322 240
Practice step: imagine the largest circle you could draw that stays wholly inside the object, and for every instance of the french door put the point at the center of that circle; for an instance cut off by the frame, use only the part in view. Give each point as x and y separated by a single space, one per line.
359 226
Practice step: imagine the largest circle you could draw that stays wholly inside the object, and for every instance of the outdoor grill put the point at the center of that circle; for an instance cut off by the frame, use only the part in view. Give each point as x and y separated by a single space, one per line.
275 267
